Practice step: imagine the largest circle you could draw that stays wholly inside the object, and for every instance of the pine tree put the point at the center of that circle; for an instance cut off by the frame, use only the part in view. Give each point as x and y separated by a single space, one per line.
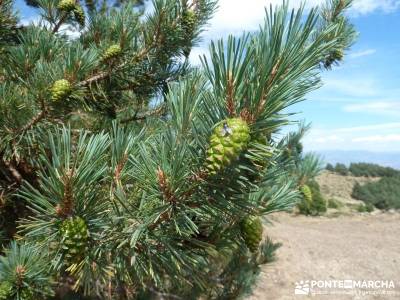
8 24
304 167
137 175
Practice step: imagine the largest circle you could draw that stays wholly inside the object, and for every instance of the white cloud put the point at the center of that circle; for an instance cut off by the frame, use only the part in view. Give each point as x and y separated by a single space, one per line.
369 6
362 53
384 126
235 17
352 87
379 138
375 137
388 108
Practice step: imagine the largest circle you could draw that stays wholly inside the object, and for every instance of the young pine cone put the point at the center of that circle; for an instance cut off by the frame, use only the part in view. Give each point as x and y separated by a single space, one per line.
75 237
252 229
229 139
66 5
60 90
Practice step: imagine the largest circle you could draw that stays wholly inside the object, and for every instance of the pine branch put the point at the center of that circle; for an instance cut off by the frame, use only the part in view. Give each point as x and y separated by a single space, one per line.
59 23
150 113
36 119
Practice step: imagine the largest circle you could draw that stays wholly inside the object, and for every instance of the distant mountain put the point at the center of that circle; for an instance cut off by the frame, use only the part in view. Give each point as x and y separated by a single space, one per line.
389 159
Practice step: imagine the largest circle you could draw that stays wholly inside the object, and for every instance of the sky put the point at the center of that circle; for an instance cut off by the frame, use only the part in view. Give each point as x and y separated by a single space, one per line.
358 107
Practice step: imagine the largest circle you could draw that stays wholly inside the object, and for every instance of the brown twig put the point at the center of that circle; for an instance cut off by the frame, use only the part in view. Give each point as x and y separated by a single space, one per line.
119 168
58 25
14 172
66 206
164 186
33 121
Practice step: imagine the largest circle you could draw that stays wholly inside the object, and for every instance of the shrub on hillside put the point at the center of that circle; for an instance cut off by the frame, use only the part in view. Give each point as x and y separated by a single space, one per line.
341 169
365 208
372 170
333 203
383 194
330 167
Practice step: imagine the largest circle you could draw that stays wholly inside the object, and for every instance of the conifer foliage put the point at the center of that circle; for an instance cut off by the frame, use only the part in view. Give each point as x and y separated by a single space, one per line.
134 174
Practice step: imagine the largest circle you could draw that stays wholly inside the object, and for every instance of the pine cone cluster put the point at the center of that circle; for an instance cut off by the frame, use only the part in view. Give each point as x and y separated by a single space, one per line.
306 192
75 237
112 52
229 139
66 5
79 15
60 90
188 22
5 290
28 294
252 229
71 6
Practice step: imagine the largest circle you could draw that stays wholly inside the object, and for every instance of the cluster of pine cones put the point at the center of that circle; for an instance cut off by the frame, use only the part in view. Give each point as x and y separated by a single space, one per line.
71 6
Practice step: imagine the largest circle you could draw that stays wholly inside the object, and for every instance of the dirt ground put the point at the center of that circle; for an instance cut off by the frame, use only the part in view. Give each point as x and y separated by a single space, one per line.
355 247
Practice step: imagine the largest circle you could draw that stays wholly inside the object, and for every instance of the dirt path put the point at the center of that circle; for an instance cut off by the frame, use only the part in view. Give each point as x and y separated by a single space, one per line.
358 247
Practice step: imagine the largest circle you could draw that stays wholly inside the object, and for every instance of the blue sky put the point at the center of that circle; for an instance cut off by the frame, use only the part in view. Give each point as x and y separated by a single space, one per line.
358 108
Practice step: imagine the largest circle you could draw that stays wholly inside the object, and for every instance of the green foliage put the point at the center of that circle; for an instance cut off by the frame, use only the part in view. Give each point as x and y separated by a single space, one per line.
112 176
318 205
94 6
333 203
368 207
8 23
383 194
372 170
24 274
241 273
341 169
330 167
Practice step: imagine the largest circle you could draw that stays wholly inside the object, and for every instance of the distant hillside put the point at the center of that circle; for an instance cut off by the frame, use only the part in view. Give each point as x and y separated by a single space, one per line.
340 187
389 159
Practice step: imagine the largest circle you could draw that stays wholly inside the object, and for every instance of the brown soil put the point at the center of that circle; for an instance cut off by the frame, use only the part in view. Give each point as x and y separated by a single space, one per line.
359 247
349 246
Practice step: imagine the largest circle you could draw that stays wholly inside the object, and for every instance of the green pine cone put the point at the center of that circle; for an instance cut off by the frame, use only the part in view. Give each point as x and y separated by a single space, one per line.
66 5
229 139
306 192
252 229
27 294
75 237
112 52
188 22
79 15
5 290
60 90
